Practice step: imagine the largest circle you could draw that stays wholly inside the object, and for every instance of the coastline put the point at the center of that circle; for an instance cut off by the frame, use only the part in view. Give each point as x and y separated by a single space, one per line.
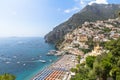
30 77
64 63
39 71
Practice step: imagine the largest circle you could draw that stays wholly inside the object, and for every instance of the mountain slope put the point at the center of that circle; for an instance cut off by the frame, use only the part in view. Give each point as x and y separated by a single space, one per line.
89 13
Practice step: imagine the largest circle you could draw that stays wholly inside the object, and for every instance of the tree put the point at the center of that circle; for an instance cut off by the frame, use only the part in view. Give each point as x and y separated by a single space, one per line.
90 60
82 74
114 49
7 77
119 14
73 70
102 66
78 58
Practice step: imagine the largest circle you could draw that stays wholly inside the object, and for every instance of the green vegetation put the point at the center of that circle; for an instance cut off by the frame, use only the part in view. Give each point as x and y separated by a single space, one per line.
106 30
119 14
102 44
7 77
90 43
74 70
90 60
58 43
78 58
84 50
103 67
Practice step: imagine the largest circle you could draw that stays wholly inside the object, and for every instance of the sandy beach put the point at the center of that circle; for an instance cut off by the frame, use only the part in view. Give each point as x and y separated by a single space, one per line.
58 70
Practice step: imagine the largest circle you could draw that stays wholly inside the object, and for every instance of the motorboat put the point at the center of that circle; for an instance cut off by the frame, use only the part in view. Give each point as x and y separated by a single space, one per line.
42 61
18 62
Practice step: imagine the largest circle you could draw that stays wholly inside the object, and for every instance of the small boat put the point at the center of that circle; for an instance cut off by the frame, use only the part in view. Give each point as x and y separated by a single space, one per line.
14 56
24 64
18 62
7 62
33 58
49 54
42 61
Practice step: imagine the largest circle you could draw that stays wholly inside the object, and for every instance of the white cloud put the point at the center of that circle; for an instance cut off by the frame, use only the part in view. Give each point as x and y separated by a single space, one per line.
67 11
98 2
82 3
71 10
79 4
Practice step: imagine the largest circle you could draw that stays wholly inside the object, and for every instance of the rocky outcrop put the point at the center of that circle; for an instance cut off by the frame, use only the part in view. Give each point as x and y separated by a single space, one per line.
89 13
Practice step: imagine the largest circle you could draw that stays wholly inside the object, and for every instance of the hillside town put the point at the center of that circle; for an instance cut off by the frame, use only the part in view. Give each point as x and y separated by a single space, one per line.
90 37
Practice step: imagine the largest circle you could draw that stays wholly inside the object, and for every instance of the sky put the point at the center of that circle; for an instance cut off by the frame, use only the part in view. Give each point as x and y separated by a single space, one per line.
38 17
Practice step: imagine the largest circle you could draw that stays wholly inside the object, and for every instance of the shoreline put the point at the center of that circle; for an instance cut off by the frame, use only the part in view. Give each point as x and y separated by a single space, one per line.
30 77
47 66
63 64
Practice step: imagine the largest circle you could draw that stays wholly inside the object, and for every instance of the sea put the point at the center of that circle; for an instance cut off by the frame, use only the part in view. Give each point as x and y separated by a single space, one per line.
23 56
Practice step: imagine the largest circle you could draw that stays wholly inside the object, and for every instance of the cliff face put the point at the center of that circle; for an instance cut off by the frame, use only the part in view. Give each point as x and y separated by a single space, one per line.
89 13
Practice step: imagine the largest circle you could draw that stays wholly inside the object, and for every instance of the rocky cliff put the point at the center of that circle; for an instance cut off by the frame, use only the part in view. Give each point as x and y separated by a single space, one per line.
89 13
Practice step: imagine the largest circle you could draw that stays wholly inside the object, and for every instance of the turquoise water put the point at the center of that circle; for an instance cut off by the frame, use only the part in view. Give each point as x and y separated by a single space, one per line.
20 56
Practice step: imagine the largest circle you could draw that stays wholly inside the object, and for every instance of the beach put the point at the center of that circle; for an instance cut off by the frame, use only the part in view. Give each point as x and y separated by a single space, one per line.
58 70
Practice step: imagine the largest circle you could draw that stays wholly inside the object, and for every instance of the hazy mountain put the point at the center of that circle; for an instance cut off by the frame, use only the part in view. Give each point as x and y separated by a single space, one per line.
89 13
